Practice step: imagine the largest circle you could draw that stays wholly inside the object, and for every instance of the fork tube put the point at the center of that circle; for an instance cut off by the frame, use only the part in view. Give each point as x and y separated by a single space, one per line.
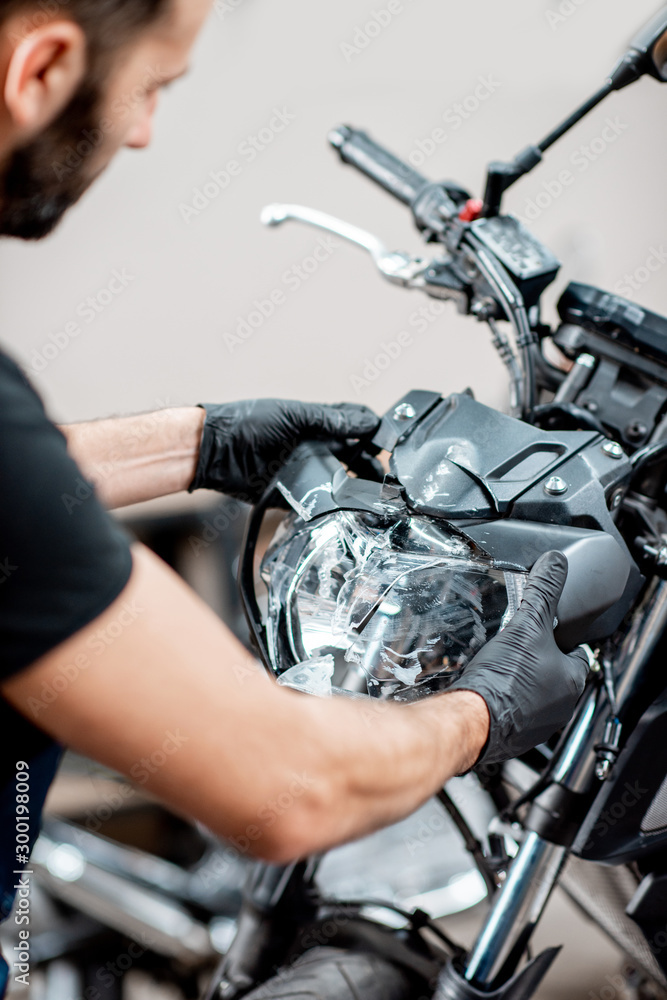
536 868
532 876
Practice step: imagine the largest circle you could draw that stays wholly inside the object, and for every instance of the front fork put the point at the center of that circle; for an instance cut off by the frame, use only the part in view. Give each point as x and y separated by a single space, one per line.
551 826
278 899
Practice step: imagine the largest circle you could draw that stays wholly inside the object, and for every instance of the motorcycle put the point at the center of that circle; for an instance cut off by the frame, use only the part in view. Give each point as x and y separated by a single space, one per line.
382 583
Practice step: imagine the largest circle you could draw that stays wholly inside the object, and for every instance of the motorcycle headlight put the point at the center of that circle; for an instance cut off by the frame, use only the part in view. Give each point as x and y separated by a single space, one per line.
408 603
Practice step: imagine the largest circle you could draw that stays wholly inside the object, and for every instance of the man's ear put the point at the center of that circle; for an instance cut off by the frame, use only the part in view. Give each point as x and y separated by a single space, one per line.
43 73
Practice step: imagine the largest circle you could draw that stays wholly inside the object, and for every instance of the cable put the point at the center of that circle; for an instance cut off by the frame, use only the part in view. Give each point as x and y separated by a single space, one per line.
646 456
511 362
417 918
473 846
576 414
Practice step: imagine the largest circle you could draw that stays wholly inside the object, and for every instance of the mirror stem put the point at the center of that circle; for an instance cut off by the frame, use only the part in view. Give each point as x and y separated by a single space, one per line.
576 117
502 176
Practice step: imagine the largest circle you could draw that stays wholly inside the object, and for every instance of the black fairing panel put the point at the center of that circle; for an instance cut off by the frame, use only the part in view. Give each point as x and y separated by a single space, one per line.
465 459
602 580
628 819
484 474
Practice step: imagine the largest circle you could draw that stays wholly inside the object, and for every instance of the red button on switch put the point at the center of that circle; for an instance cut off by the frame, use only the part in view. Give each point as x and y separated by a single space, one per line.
472 210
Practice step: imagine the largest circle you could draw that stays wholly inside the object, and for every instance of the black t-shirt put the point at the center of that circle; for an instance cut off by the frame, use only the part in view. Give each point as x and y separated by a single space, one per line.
63 561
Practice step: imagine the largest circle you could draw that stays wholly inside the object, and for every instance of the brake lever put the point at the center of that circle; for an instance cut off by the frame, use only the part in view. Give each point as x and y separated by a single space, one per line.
397 267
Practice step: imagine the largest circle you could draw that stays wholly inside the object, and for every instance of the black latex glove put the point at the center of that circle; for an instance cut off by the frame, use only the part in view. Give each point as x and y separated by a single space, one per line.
529 686
245 444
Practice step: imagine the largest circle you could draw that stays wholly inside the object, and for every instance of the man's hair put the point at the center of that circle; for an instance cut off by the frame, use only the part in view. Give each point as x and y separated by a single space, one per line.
108 24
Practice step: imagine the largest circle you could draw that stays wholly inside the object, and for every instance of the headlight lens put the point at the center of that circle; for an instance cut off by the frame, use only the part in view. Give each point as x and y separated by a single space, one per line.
408 603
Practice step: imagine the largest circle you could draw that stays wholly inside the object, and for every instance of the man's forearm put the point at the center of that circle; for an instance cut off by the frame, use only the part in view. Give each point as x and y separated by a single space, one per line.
301 773
380 761
131 459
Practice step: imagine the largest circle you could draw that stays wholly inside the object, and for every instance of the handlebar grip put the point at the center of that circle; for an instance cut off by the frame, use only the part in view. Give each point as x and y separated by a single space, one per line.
359 150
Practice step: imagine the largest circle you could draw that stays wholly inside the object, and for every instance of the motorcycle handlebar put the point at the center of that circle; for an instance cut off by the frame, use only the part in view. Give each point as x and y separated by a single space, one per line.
359 150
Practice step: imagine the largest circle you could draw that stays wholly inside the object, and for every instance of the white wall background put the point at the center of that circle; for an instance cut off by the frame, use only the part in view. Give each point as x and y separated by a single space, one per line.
162 340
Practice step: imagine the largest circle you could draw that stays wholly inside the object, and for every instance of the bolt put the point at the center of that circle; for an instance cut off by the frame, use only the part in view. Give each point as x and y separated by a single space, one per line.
616 499
612 449
636 431
591 406
405 412
603 769
555 486
483 308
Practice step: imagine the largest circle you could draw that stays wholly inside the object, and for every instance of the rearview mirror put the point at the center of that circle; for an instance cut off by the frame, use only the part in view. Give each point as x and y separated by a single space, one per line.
647 55
659 56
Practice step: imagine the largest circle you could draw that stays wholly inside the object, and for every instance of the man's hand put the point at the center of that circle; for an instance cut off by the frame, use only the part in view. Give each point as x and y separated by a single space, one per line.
244 444
529 686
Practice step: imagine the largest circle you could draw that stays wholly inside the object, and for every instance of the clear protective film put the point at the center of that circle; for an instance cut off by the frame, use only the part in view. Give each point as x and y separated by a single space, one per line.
408 604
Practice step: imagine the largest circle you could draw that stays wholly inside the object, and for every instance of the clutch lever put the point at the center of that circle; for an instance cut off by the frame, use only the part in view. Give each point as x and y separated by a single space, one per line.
432 276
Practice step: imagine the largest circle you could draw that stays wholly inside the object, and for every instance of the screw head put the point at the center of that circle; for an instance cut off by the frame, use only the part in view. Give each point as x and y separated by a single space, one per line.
612 449
636 430
405 412
602 770
555 486
616 499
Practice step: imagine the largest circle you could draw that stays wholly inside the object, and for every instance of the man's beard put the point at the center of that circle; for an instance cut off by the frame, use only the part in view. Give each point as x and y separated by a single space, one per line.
43 179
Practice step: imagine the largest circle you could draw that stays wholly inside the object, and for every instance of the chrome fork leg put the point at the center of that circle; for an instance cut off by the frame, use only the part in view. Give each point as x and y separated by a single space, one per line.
517 909
536 868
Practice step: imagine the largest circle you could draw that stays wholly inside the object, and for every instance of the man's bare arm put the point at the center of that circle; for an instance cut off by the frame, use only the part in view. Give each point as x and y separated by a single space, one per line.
131 459
160 690
234 448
